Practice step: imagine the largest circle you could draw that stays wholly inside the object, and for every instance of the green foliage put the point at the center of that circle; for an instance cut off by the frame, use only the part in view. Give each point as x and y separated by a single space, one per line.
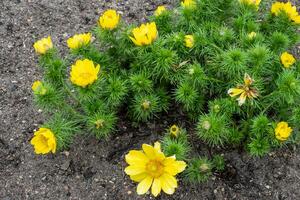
114 91
144 107
50 100
259 147
233 63
198 170
218 162
261 136
178 146
288 87
213 129
64 129
102 124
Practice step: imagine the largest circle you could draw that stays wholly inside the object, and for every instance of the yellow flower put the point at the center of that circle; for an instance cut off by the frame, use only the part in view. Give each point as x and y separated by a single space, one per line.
277 7
287 59
159 10
283 131
151 167
174 130
251 2
84 72
189 41
287 8
38 88
44 141
244 90
79 40
296 19
109 20
188 3
145 34
252 35
43 45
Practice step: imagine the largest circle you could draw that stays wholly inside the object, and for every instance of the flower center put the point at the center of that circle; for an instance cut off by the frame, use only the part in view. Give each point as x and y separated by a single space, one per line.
85 75
154 168
44 140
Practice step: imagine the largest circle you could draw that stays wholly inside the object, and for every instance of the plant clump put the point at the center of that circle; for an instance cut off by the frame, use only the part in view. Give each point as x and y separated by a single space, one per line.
226 64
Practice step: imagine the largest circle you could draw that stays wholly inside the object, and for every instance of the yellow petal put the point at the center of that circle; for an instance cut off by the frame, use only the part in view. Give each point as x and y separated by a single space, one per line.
138 177
135 41
157 146
235 91
248 80
136 157
242 98
134 169
168 183
144 185
149 151
156 187
174 167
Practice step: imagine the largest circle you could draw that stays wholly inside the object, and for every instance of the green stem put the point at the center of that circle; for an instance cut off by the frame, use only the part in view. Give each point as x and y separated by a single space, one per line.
213 79
270 104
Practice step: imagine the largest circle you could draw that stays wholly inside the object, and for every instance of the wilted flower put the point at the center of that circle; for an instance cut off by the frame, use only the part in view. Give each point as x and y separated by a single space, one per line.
43 45
44 141
144 35
251 2
159 10
252 35
84 72
38 88
244 90
283 131
287 8
174 130
287 59
150 167
79 40
188 3
189 41
109 20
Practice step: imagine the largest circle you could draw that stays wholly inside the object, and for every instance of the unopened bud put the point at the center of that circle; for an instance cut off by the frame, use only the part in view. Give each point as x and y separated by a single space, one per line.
146 105
99 123
206 125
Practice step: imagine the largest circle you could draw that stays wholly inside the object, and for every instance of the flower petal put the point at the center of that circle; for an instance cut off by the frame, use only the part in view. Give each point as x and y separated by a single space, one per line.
135 157
138 177
242 98
135 41
149 151
156 187
134 169
235 91
157 146
248 80
168 183
174 167
144 185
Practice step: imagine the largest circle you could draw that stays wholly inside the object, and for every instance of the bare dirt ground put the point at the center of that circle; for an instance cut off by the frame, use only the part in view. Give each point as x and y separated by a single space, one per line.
93 169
